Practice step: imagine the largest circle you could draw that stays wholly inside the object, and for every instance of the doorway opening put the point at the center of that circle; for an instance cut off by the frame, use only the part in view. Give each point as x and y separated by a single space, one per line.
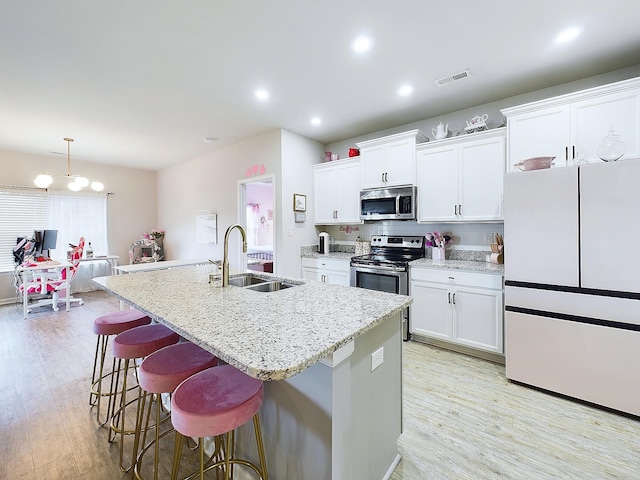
256 214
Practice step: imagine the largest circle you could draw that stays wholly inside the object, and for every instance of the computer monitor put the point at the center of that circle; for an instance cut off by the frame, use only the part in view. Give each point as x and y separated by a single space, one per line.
44 241
37 242
49 240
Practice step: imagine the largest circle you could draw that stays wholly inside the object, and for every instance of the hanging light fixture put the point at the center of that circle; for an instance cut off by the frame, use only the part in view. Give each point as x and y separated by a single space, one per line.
76 181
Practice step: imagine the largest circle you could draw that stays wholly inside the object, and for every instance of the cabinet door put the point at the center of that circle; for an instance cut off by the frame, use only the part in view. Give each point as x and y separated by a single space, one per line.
477 318
437 184
348 193
591 120
337 277
400 163
311 273
431 310
609 208
372 166
481 192
543 133
324 193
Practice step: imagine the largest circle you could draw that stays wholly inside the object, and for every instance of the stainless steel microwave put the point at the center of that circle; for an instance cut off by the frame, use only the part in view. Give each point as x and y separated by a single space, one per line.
397 203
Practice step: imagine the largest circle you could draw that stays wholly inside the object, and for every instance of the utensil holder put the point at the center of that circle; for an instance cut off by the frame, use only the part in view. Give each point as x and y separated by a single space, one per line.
437 253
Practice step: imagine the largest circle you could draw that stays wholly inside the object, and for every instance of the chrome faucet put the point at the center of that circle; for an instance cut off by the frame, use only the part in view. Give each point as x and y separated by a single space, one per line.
225 261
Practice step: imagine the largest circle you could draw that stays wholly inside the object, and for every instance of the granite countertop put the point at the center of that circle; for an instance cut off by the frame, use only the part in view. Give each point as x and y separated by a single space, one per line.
468 265
333 255
269 336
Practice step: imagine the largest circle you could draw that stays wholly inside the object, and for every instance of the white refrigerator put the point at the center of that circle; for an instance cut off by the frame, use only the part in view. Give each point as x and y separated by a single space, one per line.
572 281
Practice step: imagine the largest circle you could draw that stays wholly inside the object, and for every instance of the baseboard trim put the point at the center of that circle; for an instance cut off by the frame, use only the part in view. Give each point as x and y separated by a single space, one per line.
473 352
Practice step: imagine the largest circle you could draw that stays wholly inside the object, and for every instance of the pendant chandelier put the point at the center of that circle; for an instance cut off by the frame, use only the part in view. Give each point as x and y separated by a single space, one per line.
76 181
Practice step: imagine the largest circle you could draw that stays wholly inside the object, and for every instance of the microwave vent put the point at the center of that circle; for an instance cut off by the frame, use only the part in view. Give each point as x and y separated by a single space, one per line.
453 78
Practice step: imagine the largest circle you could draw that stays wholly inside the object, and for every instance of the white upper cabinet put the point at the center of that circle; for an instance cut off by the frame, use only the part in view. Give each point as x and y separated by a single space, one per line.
336 192
390 161
571 127
460 179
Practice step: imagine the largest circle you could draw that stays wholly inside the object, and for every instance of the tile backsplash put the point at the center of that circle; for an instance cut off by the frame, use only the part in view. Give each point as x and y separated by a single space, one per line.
467 237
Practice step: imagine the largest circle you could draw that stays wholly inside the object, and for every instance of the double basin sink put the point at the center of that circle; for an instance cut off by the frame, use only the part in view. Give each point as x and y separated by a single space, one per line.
259 284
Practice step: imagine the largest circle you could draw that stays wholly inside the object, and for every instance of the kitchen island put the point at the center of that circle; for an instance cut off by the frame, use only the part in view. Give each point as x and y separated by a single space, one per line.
327 414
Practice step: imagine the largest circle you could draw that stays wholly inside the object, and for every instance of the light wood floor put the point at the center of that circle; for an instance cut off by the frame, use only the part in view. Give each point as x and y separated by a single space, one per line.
462 419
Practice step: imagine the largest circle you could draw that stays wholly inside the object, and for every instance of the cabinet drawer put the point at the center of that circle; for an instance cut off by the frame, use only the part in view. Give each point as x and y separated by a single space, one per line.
327 263
458 277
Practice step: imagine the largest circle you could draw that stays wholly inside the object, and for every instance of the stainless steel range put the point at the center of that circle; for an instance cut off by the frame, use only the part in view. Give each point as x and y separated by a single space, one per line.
386 268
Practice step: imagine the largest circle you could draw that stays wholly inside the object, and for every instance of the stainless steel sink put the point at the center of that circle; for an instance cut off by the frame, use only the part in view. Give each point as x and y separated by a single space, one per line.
246 280
269 286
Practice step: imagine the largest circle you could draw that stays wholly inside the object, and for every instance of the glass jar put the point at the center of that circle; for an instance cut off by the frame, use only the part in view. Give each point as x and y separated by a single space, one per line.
612 148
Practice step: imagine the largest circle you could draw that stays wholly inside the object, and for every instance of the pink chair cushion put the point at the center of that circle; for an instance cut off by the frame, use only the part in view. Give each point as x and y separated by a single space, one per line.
165 369
215 401
117 322
141 341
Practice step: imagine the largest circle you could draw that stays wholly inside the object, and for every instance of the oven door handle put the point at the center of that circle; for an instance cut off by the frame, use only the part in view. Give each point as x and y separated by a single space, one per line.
363 268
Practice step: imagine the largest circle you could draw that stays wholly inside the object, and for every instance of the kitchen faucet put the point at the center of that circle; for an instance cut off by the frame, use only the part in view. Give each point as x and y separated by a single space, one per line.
225 261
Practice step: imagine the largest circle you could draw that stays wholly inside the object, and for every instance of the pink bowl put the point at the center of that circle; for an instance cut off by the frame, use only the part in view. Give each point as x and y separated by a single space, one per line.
535 163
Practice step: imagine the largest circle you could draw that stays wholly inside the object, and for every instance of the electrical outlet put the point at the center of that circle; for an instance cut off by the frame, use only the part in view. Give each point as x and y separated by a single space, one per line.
489 238
377 358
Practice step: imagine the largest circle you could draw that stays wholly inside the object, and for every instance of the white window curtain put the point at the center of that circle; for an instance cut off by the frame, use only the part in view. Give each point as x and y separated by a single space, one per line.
22 210
75 215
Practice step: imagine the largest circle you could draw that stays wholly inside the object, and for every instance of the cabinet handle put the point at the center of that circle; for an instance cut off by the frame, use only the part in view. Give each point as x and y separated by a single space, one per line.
382 177
449 297
454 299
455 207
566 153
573 151
459 209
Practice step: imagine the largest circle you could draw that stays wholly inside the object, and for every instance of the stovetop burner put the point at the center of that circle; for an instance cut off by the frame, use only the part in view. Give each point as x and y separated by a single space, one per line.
392 250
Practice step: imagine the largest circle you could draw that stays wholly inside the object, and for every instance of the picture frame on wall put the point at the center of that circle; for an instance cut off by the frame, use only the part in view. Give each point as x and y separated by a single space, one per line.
299 202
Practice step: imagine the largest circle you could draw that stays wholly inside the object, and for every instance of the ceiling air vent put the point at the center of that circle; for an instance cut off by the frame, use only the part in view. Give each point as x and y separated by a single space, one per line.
453 78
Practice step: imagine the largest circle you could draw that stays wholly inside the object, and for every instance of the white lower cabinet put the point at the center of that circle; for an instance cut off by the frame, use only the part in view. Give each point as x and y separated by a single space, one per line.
459 307
328 270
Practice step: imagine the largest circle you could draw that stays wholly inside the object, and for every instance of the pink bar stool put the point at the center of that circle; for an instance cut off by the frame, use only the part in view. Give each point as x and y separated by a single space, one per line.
133 344
105 326
214 402
161 372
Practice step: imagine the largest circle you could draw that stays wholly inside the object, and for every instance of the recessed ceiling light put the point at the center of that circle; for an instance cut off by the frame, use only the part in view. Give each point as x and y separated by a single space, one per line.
261 94
316 121
568 34
362 44
405 90
210 139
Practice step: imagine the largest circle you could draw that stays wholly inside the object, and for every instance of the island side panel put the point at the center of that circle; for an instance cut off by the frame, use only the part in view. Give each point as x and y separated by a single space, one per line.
340 421
297 417
376 401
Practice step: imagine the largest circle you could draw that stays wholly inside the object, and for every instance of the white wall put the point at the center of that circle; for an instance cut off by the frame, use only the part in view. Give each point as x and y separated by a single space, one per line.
457 119
132 208
209 184
298 155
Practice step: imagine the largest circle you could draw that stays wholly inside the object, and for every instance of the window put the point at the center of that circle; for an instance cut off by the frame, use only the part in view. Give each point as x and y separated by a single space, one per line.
22 210
74 215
